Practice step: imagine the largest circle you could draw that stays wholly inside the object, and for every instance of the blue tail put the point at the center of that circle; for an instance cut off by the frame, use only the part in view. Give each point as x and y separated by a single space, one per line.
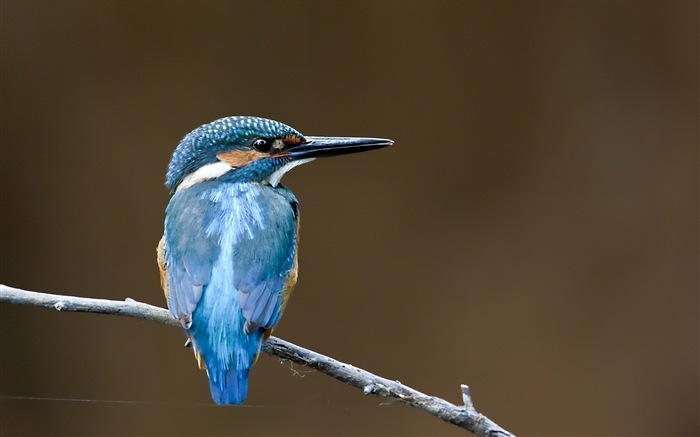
229 386
228 352
228 367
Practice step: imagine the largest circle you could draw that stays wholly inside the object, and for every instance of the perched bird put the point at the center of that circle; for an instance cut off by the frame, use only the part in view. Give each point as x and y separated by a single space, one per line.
228 256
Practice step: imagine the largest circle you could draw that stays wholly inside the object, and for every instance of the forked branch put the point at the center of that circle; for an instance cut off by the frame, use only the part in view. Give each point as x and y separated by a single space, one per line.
464 416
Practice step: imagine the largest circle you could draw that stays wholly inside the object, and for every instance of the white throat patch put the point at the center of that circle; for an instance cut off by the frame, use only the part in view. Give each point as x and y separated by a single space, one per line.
274 178
204 173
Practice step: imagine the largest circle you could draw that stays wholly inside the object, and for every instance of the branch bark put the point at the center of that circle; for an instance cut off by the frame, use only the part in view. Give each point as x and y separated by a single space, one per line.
464 416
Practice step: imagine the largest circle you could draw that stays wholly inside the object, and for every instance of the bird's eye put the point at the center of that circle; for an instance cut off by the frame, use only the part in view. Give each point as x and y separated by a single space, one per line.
262 145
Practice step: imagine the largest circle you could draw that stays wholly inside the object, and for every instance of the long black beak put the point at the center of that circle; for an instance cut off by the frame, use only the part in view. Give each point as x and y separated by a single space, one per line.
319 147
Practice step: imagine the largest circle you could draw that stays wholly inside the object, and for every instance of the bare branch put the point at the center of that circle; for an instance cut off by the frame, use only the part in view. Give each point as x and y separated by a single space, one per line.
463 416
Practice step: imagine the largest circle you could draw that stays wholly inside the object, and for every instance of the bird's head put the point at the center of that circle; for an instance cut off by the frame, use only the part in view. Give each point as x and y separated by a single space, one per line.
252 149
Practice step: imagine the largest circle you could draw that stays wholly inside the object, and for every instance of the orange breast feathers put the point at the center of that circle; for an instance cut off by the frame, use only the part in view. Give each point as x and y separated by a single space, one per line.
162 268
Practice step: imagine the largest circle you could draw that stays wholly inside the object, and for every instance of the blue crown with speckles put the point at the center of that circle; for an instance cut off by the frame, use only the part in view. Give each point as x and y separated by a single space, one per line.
201 146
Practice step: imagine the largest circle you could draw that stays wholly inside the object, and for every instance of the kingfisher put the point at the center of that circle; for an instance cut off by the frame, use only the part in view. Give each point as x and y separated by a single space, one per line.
228 256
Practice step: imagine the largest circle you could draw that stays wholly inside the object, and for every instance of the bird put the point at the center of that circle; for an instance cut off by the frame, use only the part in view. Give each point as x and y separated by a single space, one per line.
228 256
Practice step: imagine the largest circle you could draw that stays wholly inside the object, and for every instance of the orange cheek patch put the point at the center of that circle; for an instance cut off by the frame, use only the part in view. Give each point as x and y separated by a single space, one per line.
240 158
291 140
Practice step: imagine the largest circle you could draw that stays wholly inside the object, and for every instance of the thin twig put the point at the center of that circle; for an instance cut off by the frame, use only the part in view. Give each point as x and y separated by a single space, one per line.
463 416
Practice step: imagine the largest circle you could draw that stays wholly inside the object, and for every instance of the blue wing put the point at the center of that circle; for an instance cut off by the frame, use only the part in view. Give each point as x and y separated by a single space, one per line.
188 253
249 229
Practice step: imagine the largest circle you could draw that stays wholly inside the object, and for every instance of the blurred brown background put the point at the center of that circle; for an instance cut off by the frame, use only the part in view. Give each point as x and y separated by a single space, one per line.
532 233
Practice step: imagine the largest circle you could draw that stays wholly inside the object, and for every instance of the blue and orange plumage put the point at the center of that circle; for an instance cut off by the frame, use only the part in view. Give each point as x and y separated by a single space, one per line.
228 256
